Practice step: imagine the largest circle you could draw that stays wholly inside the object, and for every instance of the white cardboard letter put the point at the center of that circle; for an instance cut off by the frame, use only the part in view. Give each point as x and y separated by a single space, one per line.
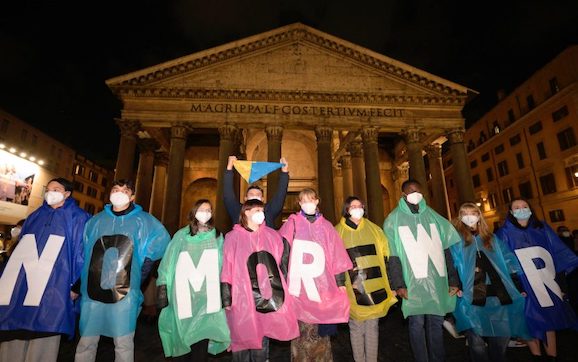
298 271
419 250
540 278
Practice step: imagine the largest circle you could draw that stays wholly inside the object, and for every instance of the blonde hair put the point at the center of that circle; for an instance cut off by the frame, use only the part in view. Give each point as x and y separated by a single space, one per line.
310 193
466 232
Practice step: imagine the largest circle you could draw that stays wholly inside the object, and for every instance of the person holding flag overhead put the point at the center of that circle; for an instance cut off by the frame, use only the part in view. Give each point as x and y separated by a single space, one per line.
36 294
421 269
252 171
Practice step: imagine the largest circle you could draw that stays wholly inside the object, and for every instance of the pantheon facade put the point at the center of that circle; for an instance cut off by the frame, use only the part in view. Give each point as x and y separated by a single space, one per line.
348 120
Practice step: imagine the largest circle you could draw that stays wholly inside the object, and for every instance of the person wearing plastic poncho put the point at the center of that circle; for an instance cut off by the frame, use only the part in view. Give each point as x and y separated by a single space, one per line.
317 267
492 299
421 270
367 286
255 293
192 319
36 283
545 261
121 244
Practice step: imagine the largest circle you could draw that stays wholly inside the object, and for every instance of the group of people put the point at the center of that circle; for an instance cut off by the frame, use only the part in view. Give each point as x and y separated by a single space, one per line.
235 291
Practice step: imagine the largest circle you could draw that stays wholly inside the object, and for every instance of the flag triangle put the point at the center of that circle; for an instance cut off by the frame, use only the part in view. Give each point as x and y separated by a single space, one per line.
252 171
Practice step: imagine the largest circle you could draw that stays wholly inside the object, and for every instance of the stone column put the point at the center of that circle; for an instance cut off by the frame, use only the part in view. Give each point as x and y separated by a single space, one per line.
374 199
144 175
274 140
227 141
126 149
174 187
325 172
415 158
358 170
463 177
347 176
338 190
440 196
400 175
159 182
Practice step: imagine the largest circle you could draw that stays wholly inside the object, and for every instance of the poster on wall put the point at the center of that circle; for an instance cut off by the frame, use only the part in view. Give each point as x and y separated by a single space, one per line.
16 179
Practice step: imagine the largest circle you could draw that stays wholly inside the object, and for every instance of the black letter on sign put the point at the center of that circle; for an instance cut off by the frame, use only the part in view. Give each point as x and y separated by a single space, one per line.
481 289
358 276
120 288
278 295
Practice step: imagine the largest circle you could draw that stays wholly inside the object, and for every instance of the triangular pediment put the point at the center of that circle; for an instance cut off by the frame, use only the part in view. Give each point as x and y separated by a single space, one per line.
288 59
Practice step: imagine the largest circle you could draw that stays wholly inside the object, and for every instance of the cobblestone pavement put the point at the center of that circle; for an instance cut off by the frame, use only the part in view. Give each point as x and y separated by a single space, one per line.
394 345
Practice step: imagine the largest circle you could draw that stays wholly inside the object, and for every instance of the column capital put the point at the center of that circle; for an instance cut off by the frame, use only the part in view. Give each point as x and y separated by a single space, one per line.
337 172
323 134
180 129
228 132
345 161
161 159
401 172
128 128
274 133
355 149
147 145
412 135
456 135
369 135
433 150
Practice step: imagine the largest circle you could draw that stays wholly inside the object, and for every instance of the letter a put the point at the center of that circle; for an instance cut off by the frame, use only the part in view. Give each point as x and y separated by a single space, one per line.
298 271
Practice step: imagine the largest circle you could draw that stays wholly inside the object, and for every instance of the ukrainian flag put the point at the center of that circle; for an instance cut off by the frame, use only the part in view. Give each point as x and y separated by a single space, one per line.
252 171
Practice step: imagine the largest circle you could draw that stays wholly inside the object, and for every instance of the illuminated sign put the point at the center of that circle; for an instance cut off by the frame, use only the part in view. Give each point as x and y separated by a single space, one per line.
16 179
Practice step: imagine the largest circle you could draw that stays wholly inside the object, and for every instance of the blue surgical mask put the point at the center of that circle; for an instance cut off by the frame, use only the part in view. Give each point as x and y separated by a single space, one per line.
522 214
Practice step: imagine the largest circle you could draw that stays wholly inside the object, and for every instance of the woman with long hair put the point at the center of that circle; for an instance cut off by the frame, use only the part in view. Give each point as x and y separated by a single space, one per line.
255 292
545 260
192 320
488 309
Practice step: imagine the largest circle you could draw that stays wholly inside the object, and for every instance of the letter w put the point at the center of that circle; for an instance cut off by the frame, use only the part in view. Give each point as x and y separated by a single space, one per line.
38 270
186 273
419 250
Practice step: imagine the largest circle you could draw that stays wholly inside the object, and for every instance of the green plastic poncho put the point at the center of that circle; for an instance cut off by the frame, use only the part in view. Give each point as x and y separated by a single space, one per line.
419 240
191 271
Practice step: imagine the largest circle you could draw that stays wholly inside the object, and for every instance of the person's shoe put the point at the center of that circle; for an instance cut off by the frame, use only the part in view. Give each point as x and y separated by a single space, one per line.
513 343
449 326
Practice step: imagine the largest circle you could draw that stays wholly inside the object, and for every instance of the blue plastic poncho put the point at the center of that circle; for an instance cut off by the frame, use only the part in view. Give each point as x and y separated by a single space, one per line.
115 248
35 282
419 240
542 254
191 271
496 313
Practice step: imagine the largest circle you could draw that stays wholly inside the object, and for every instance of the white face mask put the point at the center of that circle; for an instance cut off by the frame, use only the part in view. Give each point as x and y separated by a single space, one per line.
53 197
15 232
356 214
414 198
203 216
254 197
565 234
470 220
119 199
258 217
309 208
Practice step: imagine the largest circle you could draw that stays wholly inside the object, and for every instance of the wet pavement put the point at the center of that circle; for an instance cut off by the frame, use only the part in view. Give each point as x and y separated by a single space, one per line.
394 345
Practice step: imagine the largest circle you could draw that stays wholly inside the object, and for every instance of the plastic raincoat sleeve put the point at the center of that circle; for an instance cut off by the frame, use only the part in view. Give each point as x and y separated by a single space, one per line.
157 240
419 240
317 256
489 307
541 255
261 305
367 284
190 269
36 281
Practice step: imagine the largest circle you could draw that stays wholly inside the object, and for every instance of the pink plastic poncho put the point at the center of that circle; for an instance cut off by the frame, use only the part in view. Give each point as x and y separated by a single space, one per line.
317 256
261 305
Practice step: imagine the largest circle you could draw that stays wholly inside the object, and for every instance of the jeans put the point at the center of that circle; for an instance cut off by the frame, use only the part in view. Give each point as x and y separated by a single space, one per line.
426 337
495 350
123 348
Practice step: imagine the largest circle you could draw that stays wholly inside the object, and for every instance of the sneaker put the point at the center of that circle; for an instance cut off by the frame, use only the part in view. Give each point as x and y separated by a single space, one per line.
449 326
514 343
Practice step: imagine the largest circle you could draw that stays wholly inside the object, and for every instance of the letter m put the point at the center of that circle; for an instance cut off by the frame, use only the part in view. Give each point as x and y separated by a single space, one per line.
37 269
187 274
419 250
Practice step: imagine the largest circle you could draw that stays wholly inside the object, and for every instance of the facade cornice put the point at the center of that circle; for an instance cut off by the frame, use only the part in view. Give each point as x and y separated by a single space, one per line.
295 33
289 96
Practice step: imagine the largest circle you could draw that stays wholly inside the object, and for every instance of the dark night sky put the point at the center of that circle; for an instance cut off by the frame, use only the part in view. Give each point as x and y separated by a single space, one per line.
55 57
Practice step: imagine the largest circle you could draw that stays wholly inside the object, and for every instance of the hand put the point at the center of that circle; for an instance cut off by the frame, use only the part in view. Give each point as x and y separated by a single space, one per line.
402 292
342 288
524 294
73 295
455 291
285 168
230 163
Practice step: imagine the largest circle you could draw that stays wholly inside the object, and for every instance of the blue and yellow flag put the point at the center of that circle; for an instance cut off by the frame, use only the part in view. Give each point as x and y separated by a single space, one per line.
251 171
